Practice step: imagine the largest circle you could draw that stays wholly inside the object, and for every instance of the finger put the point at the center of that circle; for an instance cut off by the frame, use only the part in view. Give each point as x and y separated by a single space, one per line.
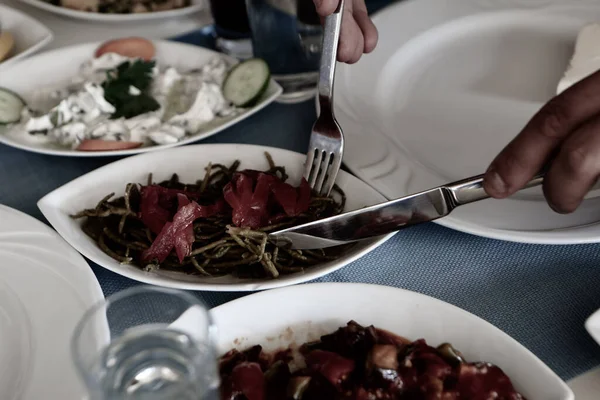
575 169
351 40
358 45
326 7
369 31
526 154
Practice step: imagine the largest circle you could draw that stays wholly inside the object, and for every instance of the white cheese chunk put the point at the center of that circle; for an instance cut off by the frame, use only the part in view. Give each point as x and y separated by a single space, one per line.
586 57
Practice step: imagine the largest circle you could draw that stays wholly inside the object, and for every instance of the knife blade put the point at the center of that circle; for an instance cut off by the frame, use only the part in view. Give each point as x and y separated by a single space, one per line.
388 217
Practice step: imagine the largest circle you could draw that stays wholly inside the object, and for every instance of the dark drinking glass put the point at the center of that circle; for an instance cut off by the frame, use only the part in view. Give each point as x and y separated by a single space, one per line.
232 29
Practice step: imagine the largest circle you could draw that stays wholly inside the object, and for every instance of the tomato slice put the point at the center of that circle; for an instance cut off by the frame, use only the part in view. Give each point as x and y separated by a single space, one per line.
133 47
106 145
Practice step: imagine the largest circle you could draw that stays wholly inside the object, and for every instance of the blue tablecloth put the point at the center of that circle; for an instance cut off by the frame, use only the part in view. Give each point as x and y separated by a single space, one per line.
540 295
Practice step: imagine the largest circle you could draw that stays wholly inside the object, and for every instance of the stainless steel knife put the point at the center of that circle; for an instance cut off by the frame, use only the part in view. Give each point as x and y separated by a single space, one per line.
384 218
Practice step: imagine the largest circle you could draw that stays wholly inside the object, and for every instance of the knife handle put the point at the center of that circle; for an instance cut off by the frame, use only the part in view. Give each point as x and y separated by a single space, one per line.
471 189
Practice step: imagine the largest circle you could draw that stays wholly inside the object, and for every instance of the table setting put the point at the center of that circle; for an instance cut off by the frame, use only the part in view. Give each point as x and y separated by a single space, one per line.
198 201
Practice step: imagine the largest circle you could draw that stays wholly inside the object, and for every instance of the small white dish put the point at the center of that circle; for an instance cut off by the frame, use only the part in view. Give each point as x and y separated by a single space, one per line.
196 6
279 318
448 86
45 288
30 35
189 163
50 70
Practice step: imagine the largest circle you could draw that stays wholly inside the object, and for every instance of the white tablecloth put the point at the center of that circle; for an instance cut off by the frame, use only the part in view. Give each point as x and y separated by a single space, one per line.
69 31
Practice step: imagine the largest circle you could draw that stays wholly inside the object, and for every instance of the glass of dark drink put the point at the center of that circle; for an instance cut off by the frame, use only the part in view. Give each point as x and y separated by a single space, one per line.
232 28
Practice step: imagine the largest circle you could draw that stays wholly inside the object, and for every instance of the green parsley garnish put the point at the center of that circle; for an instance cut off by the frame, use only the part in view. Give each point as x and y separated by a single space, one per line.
116 89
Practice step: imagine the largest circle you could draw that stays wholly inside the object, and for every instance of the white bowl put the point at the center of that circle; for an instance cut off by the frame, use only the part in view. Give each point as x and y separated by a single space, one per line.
189 163
30 35
196 6
279 318
49 69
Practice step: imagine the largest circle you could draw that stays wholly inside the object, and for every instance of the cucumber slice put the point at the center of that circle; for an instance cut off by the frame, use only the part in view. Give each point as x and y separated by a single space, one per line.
246 82
11 105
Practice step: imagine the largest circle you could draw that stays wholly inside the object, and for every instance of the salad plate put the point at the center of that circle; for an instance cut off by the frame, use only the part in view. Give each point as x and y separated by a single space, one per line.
449 85
20 36
50 107
76 11
295 315
189 164
45 288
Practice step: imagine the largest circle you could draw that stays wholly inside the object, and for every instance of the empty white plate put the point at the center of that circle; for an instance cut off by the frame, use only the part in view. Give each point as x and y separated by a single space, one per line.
291 316
45 287
447 88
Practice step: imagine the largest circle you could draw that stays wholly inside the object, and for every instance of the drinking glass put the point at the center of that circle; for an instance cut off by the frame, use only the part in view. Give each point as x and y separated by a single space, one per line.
147 343
287 34
232 29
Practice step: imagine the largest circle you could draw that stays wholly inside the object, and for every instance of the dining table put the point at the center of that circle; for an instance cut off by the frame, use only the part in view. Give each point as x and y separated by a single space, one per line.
539 294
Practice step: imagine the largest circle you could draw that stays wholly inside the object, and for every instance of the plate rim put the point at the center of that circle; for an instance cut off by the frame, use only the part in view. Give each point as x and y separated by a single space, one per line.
46 206
93 293
559 236
301 291
115 18
4 139
46 34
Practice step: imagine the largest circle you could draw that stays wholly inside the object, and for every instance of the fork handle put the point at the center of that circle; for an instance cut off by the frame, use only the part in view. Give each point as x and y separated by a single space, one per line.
331 38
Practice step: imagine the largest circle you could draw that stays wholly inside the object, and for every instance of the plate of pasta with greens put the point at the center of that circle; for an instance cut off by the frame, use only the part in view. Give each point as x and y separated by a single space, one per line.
198 217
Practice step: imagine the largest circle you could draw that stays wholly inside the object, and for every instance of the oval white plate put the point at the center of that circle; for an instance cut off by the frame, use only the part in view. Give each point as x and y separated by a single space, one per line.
30 34
303 313
49 69
189 163
50 288
441 98
196 6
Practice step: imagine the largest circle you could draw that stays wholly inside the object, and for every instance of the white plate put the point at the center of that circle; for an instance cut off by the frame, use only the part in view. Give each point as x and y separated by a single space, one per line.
45 287
196 6
592 324
304 313
30 35
447 88
49 69
586 386
189 163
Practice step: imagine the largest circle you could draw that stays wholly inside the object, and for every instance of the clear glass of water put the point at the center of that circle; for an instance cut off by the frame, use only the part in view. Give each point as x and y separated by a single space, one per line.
288 35
147 343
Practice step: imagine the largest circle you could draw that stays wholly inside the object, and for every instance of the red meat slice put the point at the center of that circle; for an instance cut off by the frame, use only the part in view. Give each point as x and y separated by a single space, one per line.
249 198
180 232
252 196
294 201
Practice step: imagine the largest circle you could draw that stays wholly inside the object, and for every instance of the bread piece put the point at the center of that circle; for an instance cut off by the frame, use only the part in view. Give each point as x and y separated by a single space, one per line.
7 43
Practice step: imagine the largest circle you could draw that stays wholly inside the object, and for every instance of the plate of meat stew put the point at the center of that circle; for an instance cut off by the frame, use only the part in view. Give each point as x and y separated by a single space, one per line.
356 341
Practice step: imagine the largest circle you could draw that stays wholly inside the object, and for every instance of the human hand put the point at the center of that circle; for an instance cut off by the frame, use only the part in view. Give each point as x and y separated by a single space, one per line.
566 134
358 34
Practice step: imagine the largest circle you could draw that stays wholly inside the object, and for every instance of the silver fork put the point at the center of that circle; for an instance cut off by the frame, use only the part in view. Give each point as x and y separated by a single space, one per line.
326 145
